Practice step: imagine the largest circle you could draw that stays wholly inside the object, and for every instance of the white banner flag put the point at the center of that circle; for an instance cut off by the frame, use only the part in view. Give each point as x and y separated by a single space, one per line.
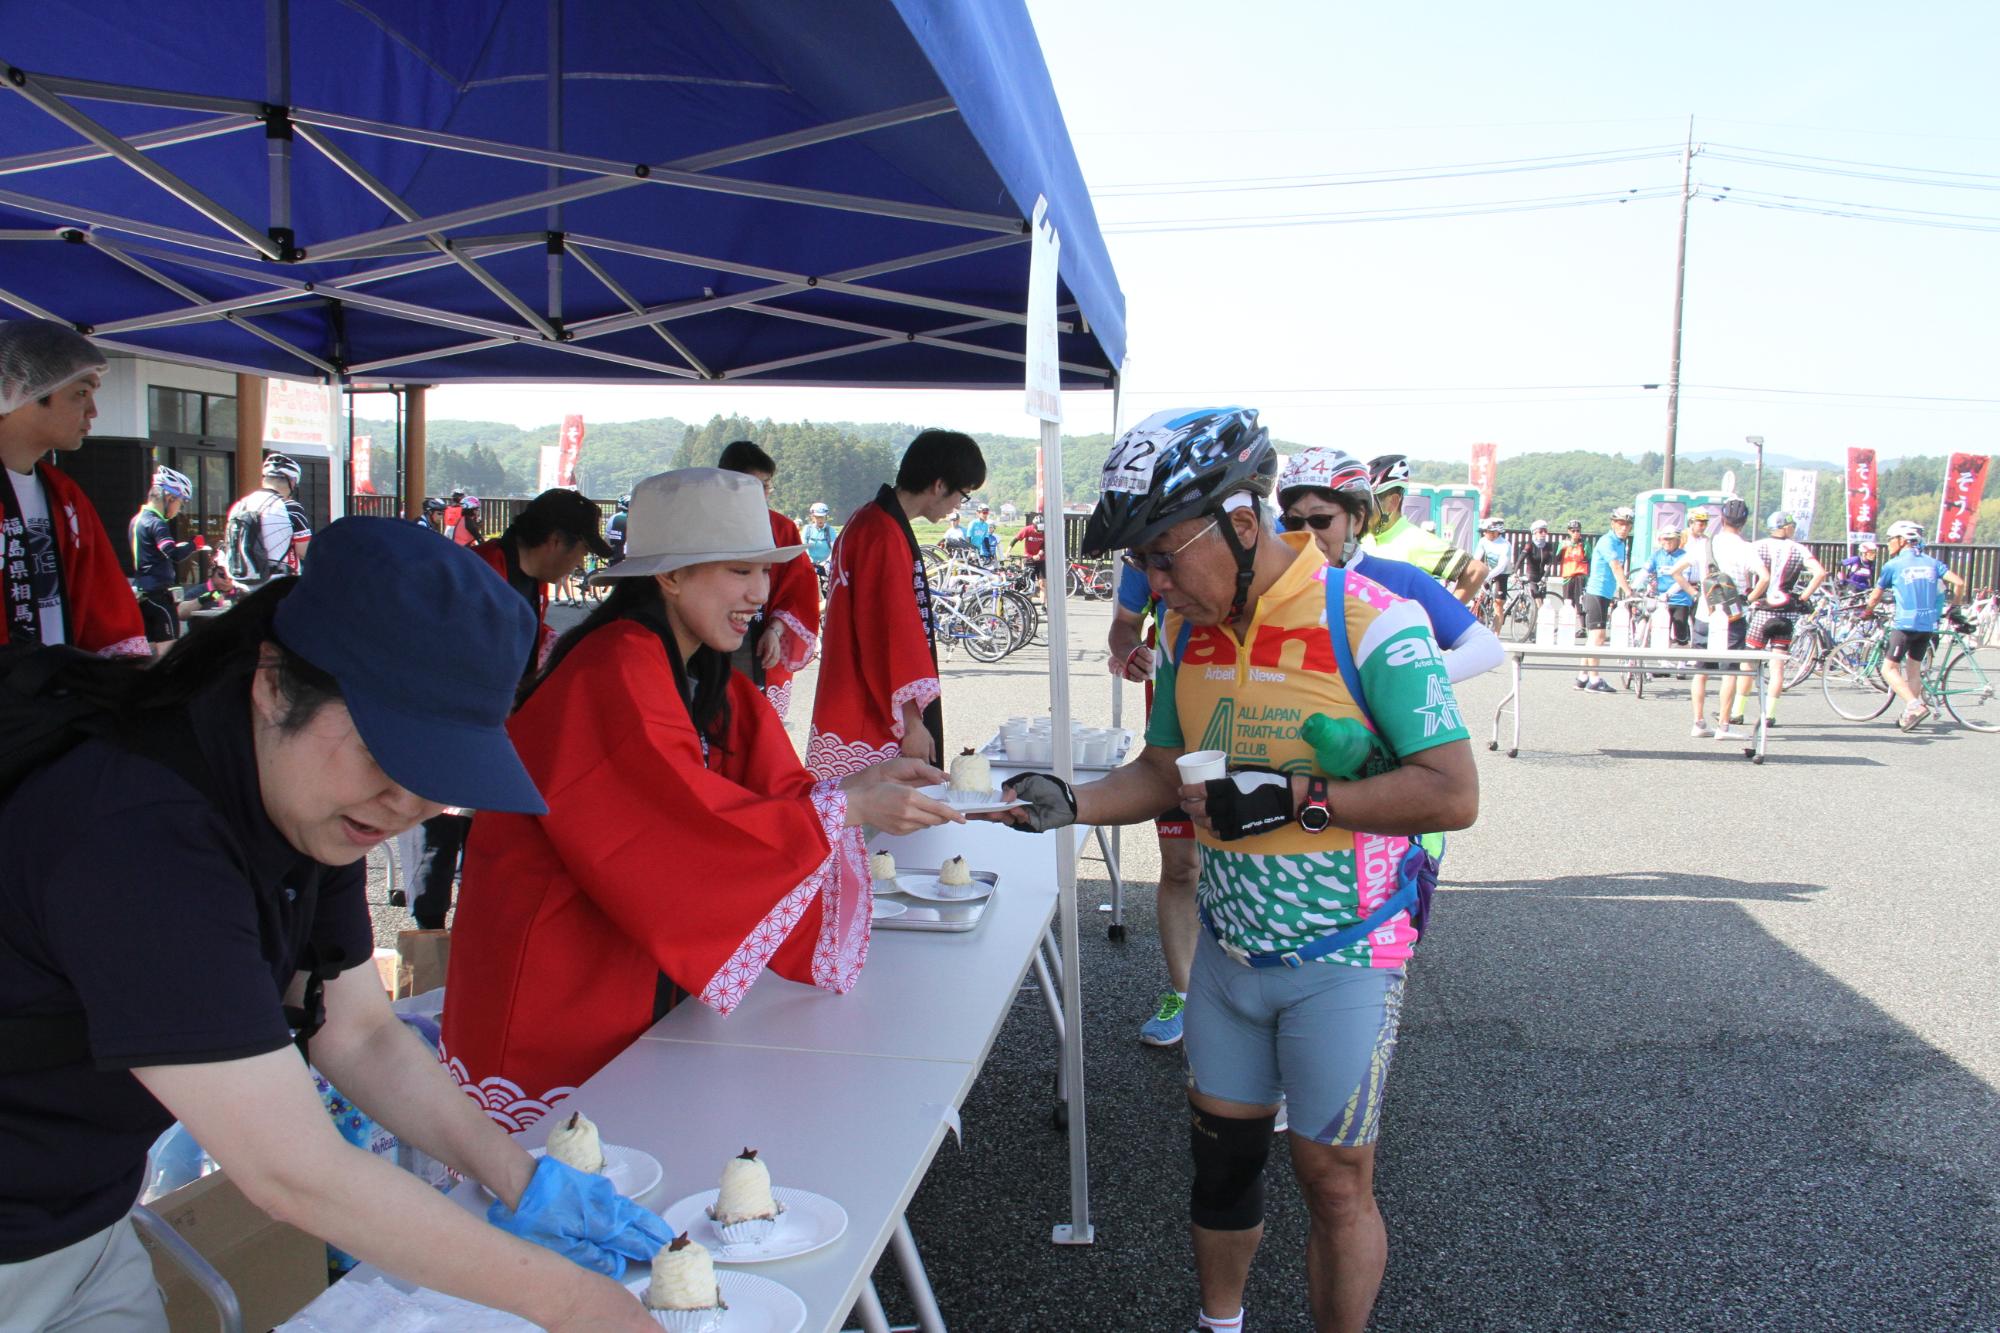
1044 349
1801 491
550 467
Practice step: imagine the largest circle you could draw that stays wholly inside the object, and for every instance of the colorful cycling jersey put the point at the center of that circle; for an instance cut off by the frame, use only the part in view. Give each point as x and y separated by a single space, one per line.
1610 548
1661 567
1916 581
1133 590
1449 617
1282 889
1857 573
1405 541
1498 553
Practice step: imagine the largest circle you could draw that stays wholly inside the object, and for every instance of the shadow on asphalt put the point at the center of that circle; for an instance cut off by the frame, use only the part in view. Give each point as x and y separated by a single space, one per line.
1618 1103
1734 754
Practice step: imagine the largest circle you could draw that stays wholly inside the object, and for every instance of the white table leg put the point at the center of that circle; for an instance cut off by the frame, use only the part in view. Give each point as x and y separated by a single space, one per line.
904 1246
1053 949
874 1319
1054 1000
1117 882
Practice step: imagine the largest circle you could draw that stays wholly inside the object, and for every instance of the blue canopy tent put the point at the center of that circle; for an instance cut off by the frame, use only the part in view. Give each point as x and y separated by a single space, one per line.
407 192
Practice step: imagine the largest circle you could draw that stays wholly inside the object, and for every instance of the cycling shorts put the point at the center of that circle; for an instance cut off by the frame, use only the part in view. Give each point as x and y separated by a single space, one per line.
1679 618
1739 630
1912 644
1321 1035
1174 823
1498 583
1770 627
1596 611
161 617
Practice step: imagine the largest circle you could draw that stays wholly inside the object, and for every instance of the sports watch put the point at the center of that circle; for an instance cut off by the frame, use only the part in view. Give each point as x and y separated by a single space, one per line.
1315 816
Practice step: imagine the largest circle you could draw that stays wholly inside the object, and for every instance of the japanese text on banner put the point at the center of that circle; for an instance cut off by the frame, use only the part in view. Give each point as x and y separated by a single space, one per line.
1863 495
1958 509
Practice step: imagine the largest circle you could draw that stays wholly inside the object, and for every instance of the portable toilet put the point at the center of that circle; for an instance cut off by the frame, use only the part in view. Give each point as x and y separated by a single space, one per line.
1455 510
1653 509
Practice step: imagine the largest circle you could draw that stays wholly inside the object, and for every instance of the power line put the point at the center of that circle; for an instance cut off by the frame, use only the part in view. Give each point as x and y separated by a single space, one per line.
1158 226
1849 162
1322 179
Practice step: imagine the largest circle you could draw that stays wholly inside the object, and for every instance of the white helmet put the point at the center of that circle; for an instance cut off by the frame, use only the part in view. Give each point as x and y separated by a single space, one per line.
1539 525
172 484
278 465
819 511
1623 512
1908 531
1495 524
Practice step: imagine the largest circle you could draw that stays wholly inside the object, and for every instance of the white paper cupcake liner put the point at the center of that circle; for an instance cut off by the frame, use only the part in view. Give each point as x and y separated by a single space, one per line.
690 1321
751 1231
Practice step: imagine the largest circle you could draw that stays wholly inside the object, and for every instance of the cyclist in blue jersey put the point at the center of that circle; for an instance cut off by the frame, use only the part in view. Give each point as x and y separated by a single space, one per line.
1913 579
1609 559
1674 591
818 534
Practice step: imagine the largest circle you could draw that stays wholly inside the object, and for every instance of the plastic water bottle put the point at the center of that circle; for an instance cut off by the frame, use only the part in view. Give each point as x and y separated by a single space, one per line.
1342 745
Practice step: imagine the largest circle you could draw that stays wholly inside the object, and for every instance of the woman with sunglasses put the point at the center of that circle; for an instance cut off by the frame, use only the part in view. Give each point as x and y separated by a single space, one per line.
1327 492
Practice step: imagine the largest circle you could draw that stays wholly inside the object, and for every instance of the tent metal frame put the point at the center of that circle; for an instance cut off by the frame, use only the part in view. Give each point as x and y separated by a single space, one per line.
420 242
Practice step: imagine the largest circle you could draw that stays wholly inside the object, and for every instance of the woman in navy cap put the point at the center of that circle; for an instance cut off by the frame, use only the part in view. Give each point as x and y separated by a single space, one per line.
686 850
167 887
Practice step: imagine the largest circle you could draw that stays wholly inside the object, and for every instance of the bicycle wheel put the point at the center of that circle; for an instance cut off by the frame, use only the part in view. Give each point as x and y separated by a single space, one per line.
1517 622
1639 635
1803 658
1010 610
1024 606
988 638
1968 688
1851 677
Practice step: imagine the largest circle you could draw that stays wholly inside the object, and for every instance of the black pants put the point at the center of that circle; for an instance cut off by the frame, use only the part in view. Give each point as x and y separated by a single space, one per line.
444 844
156 610
1680 622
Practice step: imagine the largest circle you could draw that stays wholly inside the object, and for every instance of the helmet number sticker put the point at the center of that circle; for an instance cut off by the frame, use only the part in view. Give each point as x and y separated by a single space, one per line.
1129 469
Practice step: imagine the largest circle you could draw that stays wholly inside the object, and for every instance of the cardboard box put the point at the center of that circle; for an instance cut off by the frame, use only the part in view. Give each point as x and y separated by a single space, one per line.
275 1269
422 958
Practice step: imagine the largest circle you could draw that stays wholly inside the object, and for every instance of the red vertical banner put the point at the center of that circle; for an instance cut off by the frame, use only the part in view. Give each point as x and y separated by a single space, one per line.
1964 484
1864 494
1481 474
1041 485
362 463
571 445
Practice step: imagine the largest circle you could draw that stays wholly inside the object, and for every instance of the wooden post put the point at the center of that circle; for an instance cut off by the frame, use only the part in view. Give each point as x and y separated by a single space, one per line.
249 433
413 451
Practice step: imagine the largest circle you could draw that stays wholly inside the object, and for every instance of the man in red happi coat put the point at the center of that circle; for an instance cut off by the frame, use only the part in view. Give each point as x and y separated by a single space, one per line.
879 694
786 637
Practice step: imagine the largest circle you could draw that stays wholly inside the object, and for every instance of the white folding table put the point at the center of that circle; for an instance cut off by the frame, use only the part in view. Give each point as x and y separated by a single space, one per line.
1751 664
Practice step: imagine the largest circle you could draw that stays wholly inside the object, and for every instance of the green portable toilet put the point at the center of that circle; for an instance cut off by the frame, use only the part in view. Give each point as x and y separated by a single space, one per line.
1652 509
1455 510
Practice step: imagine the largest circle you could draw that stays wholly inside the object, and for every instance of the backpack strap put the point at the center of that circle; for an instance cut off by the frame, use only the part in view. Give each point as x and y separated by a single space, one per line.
1343 652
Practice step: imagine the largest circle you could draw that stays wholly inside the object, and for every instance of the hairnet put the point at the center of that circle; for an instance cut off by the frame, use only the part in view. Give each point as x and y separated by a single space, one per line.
40 356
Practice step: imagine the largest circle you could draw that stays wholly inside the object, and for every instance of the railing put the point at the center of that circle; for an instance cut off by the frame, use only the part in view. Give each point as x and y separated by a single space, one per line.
494 514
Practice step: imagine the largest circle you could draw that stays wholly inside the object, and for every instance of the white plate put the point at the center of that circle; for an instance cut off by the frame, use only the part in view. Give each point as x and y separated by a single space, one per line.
756 1304
631 1171
967 802
808 1222
885 909
931 889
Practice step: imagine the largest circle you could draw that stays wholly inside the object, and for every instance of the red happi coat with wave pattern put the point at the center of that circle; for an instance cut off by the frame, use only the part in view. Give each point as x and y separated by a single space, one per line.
664 866
876 652
794 603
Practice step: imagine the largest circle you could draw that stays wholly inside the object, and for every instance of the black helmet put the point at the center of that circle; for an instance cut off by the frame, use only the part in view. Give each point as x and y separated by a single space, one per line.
1174 466
624 502
433 505
1389 472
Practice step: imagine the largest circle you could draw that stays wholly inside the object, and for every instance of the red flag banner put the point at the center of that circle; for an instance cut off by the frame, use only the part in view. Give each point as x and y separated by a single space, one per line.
1041 485
1481 474
1964 483
572 445
1864 494
361 461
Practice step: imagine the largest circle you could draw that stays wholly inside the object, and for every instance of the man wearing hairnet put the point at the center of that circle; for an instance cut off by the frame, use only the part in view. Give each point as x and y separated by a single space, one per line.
60 581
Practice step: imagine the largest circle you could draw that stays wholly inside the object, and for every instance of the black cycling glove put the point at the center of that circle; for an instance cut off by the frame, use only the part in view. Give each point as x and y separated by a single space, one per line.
1248 802
1051 801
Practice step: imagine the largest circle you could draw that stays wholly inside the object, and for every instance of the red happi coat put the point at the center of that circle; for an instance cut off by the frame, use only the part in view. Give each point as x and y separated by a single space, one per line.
794 603
102 614
876 652
658 868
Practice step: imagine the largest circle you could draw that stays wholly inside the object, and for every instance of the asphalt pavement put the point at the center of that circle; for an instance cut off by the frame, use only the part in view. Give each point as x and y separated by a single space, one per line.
1692 1044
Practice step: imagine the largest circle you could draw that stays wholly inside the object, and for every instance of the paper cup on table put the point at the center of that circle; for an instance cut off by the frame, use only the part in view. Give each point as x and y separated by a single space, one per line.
1202 766
1040 750
1017 748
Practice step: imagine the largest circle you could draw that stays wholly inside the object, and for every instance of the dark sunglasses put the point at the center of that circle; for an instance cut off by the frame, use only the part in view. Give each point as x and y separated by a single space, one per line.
1317 522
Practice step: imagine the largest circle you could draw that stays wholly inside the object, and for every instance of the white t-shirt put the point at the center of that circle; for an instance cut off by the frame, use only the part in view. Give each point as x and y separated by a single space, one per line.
1736 558
38 557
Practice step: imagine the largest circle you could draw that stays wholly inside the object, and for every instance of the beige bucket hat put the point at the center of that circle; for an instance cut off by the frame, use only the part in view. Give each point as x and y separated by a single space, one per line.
695 516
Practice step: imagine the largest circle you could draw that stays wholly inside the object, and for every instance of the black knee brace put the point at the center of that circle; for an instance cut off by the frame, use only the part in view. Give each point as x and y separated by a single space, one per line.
1229 1160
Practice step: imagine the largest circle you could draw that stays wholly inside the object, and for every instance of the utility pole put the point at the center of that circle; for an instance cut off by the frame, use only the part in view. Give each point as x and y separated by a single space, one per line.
1680 292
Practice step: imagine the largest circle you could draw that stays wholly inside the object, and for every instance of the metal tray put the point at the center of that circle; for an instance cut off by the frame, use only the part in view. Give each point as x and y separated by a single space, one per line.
948 918
996 751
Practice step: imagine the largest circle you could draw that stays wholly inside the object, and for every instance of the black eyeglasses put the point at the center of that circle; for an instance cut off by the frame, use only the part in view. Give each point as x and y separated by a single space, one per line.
1317 522
1163 561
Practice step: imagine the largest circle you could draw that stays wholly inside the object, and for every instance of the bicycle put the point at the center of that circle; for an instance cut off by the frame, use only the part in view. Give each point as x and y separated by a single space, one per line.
1639 610
1832 619
1092 580
1515 621
984 634
1961 676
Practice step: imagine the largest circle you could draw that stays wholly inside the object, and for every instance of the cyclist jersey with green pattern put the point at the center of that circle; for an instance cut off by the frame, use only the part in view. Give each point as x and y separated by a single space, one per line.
1283 889
1405 541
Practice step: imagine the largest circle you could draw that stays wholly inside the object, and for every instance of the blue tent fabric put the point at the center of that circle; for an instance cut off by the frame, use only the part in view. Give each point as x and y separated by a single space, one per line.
656 82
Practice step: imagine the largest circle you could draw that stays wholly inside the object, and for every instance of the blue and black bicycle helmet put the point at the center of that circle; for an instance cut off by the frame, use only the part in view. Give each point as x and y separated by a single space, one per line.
1178 465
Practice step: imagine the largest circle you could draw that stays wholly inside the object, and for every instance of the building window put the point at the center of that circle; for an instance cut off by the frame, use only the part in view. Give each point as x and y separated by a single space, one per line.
185 412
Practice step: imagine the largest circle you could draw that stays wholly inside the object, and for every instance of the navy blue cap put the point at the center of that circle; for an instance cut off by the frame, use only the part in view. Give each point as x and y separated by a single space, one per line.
426 643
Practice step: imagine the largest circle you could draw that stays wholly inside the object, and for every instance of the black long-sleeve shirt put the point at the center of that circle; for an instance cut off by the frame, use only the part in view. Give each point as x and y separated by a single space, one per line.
155 552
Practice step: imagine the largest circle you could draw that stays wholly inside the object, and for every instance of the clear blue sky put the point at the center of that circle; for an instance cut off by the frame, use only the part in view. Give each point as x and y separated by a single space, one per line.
1536 328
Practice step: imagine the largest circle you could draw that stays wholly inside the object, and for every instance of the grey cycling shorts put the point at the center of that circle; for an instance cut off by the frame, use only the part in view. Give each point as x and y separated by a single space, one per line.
1322 1035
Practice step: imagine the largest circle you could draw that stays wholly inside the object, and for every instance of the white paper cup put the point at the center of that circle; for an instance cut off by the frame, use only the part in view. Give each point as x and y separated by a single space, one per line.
1202 766
1017 748
1040 750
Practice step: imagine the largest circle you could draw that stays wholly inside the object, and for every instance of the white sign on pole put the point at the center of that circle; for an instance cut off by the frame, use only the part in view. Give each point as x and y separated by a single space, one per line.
1044 352
550 465
296 413
1801 493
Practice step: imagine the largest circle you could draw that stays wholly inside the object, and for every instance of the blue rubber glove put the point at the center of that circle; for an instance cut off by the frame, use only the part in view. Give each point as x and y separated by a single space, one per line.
583 1218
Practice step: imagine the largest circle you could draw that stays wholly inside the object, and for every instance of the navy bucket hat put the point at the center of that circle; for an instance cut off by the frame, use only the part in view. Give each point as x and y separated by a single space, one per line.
427 645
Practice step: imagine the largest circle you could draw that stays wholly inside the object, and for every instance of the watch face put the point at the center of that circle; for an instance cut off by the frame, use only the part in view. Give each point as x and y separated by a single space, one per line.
1315 818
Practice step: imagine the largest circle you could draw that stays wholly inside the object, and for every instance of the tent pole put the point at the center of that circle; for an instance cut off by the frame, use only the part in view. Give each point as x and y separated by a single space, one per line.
1077 1231
1117 928
278 128
555 215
